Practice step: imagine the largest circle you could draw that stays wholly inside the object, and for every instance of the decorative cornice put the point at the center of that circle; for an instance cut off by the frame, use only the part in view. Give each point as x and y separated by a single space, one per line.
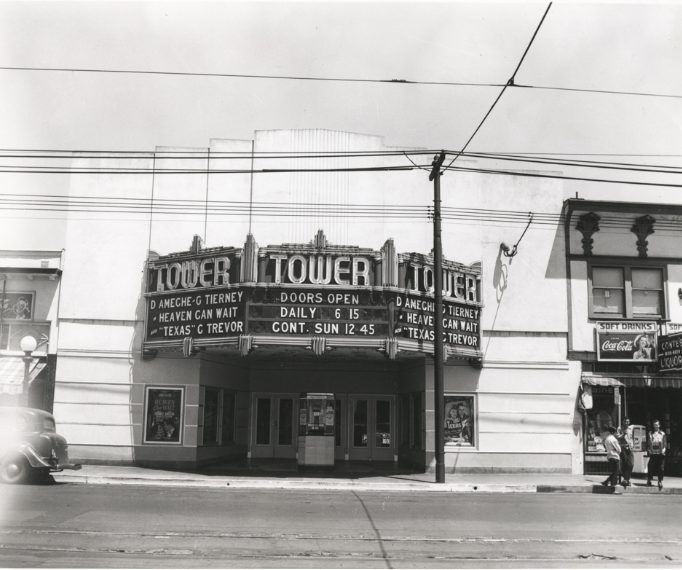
644 227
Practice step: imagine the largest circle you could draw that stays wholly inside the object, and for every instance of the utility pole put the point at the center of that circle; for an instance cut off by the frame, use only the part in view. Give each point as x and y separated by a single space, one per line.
438 389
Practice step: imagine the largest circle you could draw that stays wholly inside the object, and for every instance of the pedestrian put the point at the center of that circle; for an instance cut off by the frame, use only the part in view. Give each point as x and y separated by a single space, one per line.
627 455
656 447
613 456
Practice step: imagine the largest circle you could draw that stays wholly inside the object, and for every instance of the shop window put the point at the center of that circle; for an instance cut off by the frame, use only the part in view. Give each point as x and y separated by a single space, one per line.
626 292
604 414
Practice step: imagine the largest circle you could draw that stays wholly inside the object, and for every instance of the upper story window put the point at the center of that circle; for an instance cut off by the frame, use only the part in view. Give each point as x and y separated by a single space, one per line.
621 291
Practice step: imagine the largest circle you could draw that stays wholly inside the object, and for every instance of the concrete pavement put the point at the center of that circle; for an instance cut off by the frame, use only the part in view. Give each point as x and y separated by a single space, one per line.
369 481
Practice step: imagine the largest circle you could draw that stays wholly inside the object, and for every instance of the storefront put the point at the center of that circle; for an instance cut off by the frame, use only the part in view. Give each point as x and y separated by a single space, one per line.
616 387
312 353
29 293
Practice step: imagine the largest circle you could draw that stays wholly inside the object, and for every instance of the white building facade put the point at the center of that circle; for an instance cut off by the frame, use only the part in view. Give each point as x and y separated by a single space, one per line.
259 386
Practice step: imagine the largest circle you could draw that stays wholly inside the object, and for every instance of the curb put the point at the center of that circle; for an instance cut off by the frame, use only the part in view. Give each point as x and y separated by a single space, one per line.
299 485
346 485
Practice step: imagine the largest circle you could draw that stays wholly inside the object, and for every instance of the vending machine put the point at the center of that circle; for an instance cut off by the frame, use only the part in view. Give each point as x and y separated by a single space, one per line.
316 429
639 449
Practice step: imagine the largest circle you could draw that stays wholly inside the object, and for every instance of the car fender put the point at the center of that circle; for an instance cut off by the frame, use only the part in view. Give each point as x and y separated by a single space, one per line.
28 452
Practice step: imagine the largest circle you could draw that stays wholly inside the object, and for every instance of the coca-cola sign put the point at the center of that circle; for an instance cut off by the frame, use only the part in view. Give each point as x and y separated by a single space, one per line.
627 341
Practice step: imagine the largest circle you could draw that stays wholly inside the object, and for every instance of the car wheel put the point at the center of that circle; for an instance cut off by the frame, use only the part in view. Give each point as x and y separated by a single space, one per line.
14 469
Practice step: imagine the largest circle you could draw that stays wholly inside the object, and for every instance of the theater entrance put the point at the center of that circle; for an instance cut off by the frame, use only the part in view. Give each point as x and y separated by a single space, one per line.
272 426
371 421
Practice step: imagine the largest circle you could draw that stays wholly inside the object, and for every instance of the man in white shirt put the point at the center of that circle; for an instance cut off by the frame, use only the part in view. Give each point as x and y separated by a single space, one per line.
613 457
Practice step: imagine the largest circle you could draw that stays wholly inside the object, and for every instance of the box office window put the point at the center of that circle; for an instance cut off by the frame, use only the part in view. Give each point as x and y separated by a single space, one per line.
626 292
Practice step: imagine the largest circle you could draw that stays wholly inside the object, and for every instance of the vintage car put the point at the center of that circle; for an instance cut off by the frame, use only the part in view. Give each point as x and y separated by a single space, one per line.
30 446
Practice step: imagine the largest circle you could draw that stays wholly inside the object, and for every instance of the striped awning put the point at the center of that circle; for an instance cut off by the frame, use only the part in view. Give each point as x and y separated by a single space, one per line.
632 382
600 381
12 373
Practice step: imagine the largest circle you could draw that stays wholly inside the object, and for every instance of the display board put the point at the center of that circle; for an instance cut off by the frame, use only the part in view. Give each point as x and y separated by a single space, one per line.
322 312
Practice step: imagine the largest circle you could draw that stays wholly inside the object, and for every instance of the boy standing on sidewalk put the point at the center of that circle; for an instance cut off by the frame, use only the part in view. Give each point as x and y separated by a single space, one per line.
613 456
627 456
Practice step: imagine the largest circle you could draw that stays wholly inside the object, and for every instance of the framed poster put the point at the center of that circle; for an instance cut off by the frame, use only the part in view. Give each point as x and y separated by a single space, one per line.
163 417
17 305
460 421
627 341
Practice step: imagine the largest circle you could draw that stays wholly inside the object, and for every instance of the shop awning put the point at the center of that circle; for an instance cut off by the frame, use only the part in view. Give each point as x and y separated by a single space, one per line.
632 382
652 382
12 373
600 381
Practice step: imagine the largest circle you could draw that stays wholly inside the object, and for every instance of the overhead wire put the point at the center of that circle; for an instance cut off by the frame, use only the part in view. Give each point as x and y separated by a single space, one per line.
337 80
510 82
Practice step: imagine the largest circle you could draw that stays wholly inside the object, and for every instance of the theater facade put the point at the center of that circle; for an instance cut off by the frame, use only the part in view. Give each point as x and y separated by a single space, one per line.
289 315
309 352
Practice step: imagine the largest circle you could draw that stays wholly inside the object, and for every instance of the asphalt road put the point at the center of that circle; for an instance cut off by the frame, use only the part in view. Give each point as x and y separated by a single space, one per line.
71 525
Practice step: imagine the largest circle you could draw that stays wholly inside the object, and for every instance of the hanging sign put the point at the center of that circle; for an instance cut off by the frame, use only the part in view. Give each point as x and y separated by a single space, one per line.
670 353
627 341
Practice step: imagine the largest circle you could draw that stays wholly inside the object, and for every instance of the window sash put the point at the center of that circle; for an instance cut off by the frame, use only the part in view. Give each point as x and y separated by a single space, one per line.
607 300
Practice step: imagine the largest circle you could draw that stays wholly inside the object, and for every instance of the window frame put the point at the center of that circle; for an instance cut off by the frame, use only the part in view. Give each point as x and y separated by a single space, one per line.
627 268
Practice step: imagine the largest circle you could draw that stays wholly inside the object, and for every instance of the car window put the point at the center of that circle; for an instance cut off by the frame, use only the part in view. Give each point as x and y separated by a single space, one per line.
48 425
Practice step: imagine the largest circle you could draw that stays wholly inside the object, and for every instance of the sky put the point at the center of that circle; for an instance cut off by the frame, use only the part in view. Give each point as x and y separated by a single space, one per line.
606 46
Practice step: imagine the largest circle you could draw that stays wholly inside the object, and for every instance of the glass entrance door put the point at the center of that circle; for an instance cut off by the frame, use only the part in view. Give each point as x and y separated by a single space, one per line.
273 424
371 422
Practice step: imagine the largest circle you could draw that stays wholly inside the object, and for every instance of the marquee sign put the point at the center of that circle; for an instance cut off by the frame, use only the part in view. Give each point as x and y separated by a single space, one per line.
627 341
315 295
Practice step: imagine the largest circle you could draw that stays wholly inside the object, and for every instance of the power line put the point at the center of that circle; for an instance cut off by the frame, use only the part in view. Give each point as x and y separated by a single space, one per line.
510 82
249 76
337 80
602 91
178 154
634 167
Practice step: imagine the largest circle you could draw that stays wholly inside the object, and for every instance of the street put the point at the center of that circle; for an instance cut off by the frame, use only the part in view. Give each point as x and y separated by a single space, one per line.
70 525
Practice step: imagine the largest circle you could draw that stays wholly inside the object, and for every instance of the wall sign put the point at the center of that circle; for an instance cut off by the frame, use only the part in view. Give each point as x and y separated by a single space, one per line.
163 417
627 341
197 314
17 305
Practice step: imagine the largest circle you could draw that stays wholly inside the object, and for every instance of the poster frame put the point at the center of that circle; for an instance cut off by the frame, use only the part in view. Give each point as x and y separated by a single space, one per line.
473 409
5 294
181 422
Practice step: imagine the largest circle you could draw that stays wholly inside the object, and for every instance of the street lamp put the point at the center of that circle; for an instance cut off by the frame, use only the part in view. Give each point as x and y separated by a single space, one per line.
28 345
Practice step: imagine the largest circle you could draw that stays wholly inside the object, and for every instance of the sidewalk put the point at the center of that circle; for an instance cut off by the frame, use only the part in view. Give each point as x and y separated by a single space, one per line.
370 481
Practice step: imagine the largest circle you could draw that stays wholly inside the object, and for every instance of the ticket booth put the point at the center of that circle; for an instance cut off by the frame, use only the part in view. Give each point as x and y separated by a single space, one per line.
316 429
